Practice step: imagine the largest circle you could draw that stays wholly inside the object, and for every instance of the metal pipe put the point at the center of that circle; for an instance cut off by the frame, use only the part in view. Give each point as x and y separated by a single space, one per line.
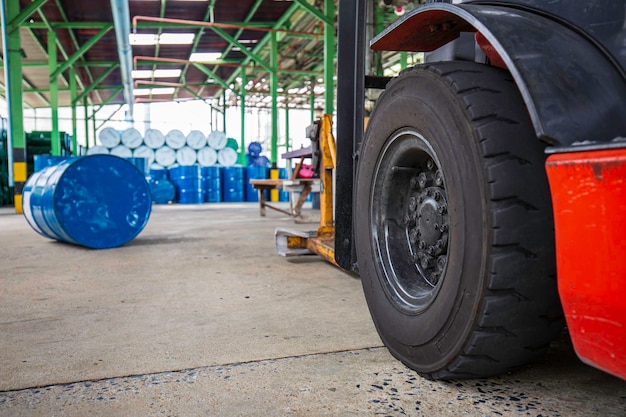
121 19
218 25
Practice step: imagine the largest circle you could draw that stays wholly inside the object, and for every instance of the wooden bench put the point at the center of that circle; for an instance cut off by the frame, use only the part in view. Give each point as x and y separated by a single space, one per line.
303 186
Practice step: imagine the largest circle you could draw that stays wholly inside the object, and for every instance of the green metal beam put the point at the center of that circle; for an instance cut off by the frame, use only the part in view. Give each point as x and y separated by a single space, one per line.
84 48
54 94
247 19
211 74
324 17
140 25
73 100
243 48
274 93
196 42
25 14
109 99
13 79
263 42
242 140
96 82
76 44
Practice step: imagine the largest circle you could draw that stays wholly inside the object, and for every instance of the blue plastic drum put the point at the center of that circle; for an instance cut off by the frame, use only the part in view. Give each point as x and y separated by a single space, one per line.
188 182
162 190
233 184
254 173
212 184
283 195
42 161
96 201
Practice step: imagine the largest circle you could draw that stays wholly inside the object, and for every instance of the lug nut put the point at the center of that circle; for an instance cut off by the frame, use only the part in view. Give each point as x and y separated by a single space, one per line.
441 262
430 164
442 209
422 180
412 203
438 178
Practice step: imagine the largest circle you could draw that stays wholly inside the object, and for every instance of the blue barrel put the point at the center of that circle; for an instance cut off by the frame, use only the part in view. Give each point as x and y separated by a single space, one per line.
256 173
158 174
255 149
233 183
142 165
212 183
188 182
283 195
162 190
42 161
96 201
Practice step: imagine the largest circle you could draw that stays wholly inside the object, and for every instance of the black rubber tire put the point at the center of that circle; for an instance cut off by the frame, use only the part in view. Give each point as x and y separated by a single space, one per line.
478 296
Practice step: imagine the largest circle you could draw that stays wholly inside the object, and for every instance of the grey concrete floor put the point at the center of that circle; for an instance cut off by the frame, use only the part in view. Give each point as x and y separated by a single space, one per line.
199 316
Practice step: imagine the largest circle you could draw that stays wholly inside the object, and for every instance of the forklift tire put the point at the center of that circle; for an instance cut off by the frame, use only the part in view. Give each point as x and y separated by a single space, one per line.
453 224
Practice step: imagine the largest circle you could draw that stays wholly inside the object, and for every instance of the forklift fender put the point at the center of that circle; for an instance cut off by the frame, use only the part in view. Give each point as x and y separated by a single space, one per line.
574 90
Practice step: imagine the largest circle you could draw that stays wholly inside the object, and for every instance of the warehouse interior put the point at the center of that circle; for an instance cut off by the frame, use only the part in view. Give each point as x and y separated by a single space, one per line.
193 311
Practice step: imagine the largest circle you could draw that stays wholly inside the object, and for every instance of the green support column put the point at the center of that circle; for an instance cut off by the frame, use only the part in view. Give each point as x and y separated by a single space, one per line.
224 111
404 60
312 102
329 56
242 147
54 92
86 123
10 9
274 93
73 100
286 125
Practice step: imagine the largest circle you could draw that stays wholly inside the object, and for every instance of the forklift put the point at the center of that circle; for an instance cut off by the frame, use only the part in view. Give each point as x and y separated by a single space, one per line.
484 206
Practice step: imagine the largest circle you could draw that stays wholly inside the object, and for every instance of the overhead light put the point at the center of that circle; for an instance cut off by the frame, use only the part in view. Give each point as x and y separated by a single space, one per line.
176 38
158 73
163 39
143 38
205 56
153 91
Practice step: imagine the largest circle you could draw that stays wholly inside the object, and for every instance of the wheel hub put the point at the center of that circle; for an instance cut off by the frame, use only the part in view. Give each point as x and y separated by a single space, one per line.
428 222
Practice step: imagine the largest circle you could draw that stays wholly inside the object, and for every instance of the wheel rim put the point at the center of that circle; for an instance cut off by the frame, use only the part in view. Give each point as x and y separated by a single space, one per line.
410 222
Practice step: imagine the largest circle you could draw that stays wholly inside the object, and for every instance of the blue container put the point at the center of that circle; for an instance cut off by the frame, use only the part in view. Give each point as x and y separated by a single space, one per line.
233 178
158 174
42 161
255 149
142 165
282 195
163 191
254 172
188 182
212 184
96 201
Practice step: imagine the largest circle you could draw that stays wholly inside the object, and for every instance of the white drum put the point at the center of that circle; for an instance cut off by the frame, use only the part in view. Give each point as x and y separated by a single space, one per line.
175 139
217 140
109 137
186 156
165 156
122 151
196 140
131 138
154 139
144 152
207 157
96 150
227 157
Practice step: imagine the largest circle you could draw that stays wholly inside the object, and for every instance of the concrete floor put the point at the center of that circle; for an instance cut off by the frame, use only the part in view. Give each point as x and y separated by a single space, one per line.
199 316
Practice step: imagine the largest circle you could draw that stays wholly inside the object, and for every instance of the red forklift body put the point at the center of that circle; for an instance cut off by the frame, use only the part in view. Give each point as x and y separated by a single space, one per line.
589 201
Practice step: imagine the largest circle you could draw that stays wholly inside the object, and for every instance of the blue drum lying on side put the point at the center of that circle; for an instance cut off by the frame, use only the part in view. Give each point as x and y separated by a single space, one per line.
96 201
